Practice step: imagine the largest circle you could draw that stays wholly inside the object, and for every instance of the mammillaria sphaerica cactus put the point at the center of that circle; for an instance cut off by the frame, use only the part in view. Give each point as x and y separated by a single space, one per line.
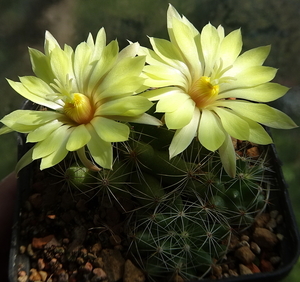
184 163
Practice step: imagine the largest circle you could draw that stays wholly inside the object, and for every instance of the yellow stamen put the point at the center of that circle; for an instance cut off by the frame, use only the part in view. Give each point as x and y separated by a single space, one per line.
203 92
79 109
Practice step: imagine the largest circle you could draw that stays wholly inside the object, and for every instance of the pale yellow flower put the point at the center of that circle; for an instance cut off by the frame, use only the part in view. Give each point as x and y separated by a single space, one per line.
89 92
206 88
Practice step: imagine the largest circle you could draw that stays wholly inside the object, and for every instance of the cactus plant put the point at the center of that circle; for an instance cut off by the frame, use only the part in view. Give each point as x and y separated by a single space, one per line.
184 208
190 206
190 181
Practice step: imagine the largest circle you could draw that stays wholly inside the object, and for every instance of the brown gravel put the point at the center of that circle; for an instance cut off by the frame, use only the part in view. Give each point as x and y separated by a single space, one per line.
69 238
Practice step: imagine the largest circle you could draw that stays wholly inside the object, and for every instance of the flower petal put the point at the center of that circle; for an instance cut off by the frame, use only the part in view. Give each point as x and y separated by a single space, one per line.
250 58
26 120
25 160
185 39
37 86
100 150
103 65
151 57
233 124
172 14
79 137
210 133
210 43
228 156
41 65
61 65
261 113
156 94
184 136
126 106
43 131
169 53
258 134
159 76
250 77
54 142
129 51
110 130
181 116
124 87
50 43
99 45
231 47
170 104
82 66
55 157
144 118
34 97
266 92
5 129
128 67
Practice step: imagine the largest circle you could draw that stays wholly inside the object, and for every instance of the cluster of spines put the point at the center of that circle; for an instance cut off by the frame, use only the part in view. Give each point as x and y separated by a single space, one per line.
186 206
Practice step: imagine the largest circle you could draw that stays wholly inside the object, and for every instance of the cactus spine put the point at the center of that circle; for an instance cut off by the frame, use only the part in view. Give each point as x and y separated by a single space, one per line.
184 209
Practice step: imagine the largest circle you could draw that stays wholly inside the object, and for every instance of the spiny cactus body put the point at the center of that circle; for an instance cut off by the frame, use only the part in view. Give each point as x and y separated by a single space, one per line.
184 208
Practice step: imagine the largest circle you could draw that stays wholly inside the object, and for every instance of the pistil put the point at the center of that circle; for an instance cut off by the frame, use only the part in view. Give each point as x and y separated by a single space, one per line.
79 109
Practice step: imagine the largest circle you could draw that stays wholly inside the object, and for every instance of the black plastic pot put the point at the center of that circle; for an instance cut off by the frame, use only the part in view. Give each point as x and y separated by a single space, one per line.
289 246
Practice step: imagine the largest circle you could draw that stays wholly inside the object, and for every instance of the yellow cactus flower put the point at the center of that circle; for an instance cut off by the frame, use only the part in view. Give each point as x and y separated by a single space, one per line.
206 88
89 92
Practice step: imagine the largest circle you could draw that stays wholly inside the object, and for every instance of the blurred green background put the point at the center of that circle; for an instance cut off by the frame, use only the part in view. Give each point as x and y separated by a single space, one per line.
263 22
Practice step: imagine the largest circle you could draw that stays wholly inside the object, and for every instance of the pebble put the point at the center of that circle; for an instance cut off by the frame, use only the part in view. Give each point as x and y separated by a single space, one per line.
22 276
83 252
232 272
266 266
275 260
41 264
36 200
262 220
34 275
96 248
80 260
254 268
63 276
279 219
279 236
244 270
39 243
217 271
234 242
88 266
253 152
264 238
30 251
177 278
113 264
243 243
44 275
98 262
22 249
271 225
274 213
255 248
99 274
245 238
245 255
133 273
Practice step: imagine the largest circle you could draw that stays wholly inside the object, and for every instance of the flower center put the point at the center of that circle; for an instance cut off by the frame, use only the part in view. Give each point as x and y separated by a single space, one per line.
79 109
203 92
